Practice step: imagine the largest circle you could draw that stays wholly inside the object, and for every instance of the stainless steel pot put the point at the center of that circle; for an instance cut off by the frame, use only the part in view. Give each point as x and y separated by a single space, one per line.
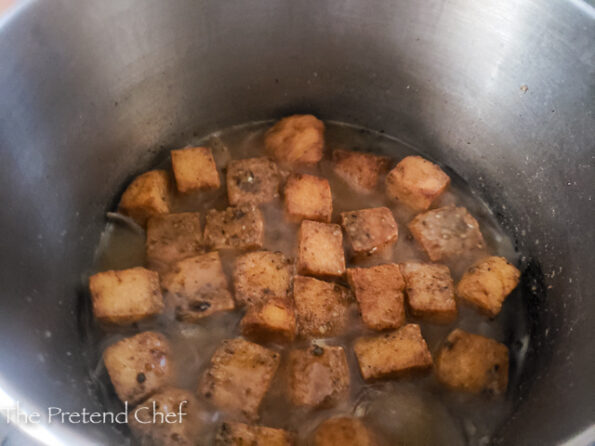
503 92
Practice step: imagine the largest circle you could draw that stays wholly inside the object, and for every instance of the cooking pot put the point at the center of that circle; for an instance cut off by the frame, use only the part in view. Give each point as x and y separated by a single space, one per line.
93 92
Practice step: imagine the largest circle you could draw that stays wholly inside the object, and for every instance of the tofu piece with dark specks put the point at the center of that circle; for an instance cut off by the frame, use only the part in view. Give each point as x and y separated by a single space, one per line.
430 292
147 195
194 169
318 376
196 287
369 230
138 366
270 321
487 284
252 181
320 249
343 431
361 171
322 308
447 232
240 434
125 296
473 363
234 228
399 353
379 293
296 140
239 375
308 198
416 182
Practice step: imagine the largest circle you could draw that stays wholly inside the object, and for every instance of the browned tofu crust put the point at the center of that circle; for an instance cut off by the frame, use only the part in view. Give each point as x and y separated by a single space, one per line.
369 230
447 232
392 355
317 376
270 321
194 169
138 366
234 228
321 307
430 292
261 275
473 363
343 431
361 171
240 434
297 139
239 376
126 296
320 249
172 237
196 287
308 197
487 284
416 182
379 293
252 181
147 195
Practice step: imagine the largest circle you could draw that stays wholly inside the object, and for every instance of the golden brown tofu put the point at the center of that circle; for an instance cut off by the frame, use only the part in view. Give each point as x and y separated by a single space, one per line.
196 287
297 139
126 296
379 293
343 431
252 181
240 434
317 376
369 230
416 182
360 170
261 275
321 307
447 232
392 355
270 321
138 366
320 249
472 363
147 195
430 292
172 237
239 376
308 197
234 228
194 169
487 284
169 417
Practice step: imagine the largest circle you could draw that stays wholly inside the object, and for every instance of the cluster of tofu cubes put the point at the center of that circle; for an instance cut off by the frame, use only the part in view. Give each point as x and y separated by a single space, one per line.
309 297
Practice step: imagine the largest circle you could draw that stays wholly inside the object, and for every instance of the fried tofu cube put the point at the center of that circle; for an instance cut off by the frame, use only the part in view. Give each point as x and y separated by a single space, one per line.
297 139
240 434
379 293
430 292
370 230
126 296
147 195
196 287
138 366
392 355
308 198
194 169
261 275
270 321
172 237
447 232
343 431
317 376
252 181
234 228
473 363
321 307
239 375
487 284
361 171
416 182
320 249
